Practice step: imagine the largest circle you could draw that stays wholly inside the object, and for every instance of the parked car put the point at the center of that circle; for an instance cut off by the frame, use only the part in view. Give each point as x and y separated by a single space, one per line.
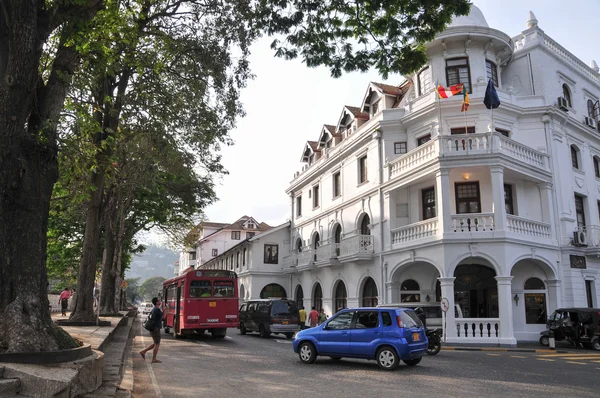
267 316
145 308
433 312
387 335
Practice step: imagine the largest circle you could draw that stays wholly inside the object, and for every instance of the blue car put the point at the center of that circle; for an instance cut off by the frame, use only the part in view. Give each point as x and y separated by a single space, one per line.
388 335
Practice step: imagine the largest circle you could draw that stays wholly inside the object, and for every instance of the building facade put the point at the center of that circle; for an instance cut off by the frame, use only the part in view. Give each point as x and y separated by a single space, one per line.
408 199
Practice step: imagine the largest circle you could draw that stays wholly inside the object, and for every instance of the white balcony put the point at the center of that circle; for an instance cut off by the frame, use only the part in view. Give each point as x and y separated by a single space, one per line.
473 222
414 231
358 247
527 227
448 146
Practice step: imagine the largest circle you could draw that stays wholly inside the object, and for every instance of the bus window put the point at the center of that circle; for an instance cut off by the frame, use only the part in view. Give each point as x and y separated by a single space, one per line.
224 289
200 289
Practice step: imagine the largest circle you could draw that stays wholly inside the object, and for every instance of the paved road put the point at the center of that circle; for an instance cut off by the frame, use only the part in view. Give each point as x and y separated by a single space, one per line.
255 367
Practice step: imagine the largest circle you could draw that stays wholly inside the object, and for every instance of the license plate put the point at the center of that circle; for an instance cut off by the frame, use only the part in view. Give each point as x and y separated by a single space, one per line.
212 320
285 322
416 337
212 303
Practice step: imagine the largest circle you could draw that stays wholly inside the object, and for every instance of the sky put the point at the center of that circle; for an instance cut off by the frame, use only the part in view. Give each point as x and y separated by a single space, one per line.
287 104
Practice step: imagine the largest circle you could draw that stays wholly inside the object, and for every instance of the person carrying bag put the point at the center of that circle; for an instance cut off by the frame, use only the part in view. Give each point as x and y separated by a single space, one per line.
153 324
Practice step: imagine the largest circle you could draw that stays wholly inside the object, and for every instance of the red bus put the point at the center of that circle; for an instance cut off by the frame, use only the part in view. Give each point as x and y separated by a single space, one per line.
201 300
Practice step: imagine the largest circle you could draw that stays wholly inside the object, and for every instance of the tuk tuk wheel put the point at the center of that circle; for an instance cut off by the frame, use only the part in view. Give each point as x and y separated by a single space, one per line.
596 344
545 341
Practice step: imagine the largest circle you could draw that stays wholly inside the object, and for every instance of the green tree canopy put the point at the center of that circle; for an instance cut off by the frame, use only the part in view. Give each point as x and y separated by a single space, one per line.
151 287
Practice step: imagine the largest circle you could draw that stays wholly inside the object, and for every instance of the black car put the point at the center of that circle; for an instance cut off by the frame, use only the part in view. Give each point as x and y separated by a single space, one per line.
268 316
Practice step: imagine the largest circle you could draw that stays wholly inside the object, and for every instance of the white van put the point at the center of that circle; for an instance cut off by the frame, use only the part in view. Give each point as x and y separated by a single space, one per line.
433 312
145 308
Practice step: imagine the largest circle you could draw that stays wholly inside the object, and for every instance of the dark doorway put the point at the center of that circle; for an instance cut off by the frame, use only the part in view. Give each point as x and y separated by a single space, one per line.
476 291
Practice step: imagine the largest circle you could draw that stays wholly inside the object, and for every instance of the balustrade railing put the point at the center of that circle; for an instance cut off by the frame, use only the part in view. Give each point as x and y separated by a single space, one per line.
305 257
527 227
415 231
324 252
477 327
473 222
522 152
356 244
414 158
461 144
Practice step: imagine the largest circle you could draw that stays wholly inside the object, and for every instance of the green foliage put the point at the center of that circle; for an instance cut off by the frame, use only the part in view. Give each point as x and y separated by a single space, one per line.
151 287
357 35
132 290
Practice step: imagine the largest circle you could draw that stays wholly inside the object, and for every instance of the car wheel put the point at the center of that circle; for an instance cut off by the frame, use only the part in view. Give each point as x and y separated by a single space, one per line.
336 358
412 362
387 359
242 328
596 345
307 352
545 341
289 335
263 332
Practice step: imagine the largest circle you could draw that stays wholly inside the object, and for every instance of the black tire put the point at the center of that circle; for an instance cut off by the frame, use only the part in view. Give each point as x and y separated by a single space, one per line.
596 345
412 362
307 352
242 328
167 330
387 358
289 335
263 332
545 341
434 348
336 358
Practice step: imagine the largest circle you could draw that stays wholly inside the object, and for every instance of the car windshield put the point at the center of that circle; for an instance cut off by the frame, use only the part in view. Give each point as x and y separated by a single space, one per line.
410 319
284 308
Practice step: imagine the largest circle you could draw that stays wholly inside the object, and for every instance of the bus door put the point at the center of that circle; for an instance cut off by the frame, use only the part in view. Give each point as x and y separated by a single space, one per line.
177 319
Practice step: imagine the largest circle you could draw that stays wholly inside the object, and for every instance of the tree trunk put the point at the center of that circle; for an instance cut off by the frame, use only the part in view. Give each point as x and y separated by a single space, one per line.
107 295
28 170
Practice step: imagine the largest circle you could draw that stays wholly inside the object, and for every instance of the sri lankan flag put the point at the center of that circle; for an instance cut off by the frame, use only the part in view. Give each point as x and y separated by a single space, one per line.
448 92
465 103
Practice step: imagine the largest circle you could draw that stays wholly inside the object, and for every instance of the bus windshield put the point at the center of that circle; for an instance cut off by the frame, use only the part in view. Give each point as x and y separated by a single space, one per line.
224 289
200 289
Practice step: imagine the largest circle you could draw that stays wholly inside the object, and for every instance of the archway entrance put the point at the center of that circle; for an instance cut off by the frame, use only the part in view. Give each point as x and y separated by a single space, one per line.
273 290
299 297
369 294
476 291
317 299
341 296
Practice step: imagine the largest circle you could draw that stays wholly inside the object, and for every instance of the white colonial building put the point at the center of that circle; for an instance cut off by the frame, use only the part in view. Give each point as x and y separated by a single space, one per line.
406 199
208 240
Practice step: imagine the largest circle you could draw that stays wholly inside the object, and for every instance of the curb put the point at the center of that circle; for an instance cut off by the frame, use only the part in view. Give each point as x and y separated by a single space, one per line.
500 349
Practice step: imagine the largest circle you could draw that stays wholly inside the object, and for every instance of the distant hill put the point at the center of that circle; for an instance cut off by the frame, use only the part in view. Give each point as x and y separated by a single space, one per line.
154 261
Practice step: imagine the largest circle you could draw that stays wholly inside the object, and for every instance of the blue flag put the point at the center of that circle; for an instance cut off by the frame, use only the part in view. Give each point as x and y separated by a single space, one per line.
491 99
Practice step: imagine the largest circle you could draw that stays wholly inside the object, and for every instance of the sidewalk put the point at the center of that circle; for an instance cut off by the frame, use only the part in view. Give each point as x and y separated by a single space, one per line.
521 347
101 373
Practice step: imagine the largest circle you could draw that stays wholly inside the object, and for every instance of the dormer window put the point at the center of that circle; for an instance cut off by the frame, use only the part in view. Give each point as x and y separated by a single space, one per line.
375 107
251 226
567 95
424 81
311 159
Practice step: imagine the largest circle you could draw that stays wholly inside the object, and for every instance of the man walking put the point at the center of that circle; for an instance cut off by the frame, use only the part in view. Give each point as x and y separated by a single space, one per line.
302 316
156 315
63 300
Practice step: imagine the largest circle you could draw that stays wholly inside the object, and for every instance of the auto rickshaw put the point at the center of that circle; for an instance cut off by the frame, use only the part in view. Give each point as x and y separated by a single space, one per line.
578 326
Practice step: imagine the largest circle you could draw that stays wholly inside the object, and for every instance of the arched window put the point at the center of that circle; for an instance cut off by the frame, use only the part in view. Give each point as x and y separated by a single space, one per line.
597 166
567 95
237 260
244 258
299 245
364 225
337 238
317 300
316 241
299 297
535 301
574 157
341 301
273 290
590 108
410 291
369 298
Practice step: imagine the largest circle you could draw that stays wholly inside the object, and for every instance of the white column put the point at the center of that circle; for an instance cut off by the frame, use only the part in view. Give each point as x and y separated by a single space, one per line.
553 295
447 285
497 174
392 295
547 206
505 305
442 199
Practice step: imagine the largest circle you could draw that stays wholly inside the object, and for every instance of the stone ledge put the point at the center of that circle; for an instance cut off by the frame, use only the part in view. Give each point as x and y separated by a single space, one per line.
47 357
64 380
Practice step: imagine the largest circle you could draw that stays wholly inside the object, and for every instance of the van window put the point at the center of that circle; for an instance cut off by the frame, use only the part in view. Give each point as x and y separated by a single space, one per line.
243 308
252 307
263 307
432 312
284 308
